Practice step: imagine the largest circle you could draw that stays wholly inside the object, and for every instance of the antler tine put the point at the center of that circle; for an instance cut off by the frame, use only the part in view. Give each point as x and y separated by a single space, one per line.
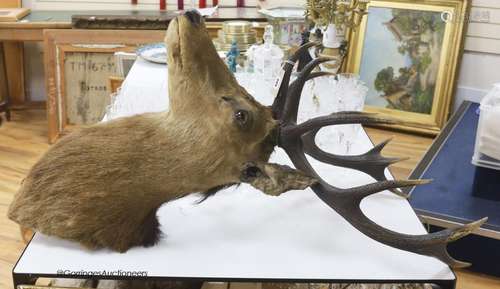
317 74
293 98
303 49
433 244
371 163
332 119
279 101
347 202
291 111
298 140
373 188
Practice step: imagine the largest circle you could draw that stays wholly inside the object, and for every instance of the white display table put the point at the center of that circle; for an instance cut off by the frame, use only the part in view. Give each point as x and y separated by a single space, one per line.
240 234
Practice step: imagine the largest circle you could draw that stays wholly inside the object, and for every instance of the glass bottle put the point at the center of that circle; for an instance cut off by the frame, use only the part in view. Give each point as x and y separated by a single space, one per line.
267 57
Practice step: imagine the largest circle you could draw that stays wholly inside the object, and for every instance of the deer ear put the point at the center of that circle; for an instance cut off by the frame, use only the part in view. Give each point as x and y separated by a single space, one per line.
274 179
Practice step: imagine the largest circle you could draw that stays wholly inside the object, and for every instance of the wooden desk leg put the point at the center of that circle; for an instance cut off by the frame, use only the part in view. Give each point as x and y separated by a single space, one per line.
14 66
4 93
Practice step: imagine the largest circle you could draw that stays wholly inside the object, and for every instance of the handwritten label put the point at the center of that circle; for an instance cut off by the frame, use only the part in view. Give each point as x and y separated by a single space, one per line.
86 76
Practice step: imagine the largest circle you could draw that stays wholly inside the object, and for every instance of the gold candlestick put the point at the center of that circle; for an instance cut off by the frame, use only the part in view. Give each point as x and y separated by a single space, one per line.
344 15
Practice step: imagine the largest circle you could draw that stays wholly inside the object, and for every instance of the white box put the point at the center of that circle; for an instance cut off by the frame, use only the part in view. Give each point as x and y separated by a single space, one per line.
487 148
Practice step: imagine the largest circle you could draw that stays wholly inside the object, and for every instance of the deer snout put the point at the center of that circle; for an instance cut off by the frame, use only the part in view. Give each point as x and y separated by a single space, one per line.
274 179
193 16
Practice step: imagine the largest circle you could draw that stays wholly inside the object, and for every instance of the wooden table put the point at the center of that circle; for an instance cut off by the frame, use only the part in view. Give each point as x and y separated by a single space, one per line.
19 153
13 34
251 237
32 27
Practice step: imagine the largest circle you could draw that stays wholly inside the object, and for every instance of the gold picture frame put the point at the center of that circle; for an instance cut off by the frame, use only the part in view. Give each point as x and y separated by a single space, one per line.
418 99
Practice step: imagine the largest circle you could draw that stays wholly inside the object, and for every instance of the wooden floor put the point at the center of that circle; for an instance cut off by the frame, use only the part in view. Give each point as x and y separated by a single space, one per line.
24 139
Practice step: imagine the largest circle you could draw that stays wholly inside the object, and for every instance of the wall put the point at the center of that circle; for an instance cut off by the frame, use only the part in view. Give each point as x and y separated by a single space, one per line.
481 60
479 70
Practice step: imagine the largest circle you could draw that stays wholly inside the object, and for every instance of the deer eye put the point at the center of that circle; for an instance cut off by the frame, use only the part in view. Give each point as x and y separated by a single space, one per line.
241 116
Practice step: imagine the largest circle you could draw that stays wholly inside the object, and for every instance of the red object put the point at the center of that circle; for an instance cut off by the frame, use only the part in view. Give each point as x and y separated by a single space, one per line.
163 4
215 3
203 3
240 3
133 2
180 4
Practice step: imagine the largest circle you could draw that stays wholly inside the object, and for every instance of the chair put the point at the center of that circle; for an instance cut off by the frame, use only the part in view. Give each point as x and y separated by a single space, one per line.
4 98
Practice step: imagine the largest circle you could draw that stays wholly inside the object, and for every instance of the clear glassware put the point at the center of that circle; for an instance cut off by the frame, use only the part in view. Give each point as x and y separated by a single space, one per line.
351 92
261 89
261 68
323 100
267 57
342 92
326 98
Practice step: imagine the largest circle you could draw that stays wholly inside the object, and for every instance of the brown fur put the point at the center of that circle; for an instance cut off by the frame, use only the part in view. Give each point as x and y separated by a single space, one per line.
101 186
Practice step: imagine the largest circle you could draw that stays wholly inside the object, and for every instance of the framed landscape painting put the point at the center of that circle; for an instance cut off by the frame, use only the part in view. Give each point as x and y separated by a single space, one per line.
408 55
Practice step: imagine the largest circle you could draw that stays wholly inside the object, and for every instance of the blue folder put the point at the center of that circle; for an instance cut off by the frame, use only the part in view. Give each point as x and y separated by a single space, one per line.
461 192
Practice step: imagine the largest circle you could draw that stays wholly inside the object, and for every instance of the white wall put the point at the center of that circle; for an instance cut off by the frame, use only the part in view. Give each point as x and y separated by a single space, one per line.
479 71
481 61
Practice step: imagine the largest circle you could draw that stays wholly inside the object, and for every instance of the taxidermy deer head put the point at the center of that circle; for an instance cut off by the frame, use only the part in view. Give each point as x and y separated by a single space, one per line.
101 186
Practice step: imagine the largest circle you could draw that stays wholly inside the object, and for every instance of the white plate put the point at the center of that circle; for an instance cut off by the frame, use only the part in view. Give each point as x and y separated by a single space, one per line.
156 52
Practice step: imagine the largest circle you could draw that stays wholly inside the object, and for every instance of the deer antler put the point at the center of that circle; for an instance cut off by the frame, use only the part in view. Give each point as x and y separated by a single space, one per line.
299 139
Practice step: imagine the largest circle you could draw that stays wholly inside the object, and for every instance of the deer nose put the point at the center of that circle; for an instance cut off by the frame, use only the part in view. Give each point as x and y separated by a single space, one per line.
250 172
193 16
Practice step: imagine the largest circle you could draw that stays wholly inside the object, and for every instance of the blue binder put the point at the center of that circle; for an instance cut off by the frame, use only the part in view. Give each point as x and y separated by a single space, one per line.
461 192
